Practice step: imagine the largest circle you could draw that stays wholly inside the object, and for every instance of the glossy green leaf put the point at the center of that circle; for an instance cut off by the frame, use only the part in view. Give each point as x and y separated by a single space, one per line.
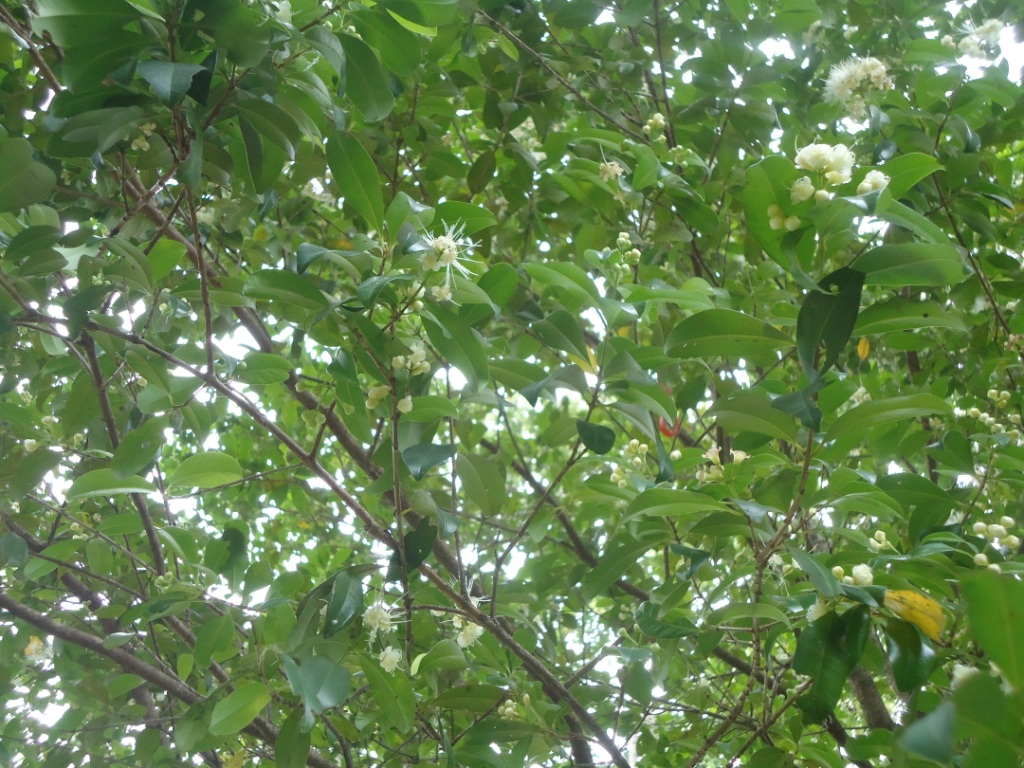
23 180
827 318
238 708
205 470
345 603
724 333
910 654
364 80
899 314
319 683
995 615
482 482
931 736
103 482
420 459
877 412
13 550
392 692
911 264
821 577
827 651
471 698
286 287
170 80
907 170
750 413
419 543
595 437
445 655
262 368
139 447
987 715
472 218
356 176
662 629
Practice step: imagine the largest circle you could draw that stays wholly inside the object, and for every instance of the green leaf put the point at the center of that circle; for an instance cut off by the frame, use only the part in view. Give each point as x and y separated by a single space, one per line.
345 603
74 22
723 333
827 651
995 615
392 693
482 482
670 502
458 342
911 264
291 747
822 579
13 550
470 698
262 368
215 637
288 288
594 437
205 470
365 83
932 735
171 80
899 314
319 682
910 654
103 482
23 180
139 447
562 331
428 408
356 175
750 413
238 709
876 412
473 218
420 459
419 543
989 717
827 317
907 170
647 619
445 655
427 13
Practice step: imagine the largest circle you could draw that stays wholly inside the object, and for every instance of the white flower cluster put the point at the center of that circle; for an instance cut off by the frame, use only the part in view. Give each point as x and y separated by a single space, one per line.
655 126
834 163
878 542
379 619
1000 399
853 81
636 452
861 576
875 181
415 362
141 143
998 533
377 395
981 42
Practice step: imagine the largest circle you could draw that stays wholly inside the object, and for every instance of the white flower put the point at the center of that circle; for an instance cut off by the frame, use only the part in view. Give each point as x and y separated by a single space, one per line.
441 293
988 33
446 250
969 46
873 182
981 559
838 571
834 162
404 405
284 11
469 634
676 455
30 445
862 575
711 454
389 659
960 673
818 610
853 81
376 395
378 618
802 189
1007 522
610 170
1011 541
996 531
739 456
792 223
948 41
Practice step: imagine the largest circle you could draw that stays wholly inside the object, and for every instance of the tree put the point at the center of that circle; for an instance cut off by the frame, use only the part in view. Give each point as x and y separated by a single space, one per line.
506 383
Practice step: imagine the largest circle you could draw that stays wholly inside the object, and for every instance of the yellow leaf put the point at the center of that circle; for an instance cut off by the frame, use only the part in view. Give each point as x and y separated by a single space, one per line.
920 610
863 348
236 760
590 366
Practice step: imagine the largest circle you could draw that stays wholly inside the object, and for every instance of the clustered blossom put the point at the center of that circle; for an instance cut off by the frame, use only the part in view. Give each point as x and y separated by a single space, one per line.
981 42
853 81
469 634
378 618
777 219
818 610
655 126
376 395
141 143
861 576
879 541
834 163
415 362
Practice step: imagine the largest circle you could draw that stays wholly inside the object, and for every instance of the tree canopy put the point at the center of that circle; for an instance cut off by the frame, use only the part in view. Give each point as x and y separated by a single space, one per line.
503 383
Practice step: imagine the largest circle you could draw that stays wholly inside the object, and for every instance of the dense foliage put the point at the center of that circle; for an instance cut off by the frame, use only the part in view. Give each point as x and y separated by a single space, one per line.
510 383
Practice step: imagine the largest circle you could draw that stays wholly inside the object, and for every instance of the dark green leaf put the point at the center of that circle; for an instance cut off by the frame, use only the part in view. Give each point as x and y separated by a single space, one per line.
594 437
171 80
827 317
662 629
418 545
364 80
345 604
827 651
356 176
420 459
910 654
